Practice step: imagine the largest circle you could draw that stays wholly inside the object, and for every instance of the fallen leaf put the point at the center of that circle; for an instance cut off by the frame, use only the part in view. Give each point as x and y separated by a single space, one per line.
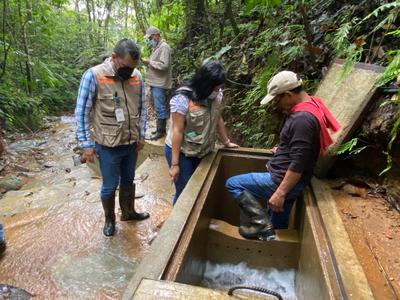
389 236
359 42
328 27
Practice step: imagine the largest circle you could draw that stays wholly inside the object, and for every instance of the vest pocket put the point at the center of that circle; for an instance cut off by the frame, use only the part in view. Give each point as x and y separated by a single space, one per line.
135 128
111 134
195 126
107 104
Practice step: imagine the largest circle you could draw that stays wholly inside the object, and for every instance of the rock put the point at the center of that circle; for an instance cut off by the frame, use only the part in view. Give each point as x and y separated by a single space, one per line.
77 160
49 164
21 168
12 292
26 174
379 121
77 150
11 183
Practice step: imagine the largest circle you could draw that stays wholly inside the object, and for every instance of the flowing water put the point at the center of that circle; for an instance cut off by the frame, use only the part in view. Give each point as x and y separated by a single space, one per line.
225 276
53 225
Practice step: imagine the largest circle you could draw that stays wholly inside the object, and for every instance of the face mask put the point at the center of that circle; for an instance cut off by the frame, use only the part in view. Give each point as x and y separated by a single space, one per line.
153 43
124 73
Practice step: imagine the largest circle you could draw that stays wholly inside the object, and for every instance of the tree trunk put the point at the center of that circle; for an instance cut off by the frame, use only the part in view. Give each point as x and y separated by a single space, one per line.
221 29
196 23
126 13
309 35
107 20
6 48
78 21
140 16
88 9
159 5
229 14
89 13
26 49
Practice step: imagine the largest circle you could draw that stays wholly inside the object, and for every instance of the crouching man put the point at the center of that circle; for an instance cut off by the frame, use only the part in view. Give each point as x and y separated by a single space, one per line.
303 138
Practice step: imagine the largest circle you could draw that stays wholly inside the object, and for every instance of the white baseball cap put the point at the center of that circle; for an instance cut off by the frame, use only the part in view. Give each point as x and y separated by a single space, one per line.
152 30
282 82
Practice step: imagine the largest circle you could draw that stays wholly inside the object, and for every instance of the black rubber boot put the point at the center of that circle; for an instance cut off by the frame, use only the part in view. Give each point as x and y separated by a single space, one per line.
127 204
161 129
2 246
109 214
2 240
256 225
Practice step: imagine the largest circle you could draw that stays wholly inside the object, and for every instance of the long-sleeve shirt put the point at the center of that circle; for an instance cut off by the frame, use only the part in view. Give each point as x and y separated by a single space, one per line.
298 149
84 103
159 70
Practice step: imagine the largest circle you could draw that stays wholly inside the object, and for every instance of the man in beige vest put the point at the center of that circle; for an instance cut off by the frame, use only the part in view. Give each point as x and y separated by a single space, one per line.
158 77
113 94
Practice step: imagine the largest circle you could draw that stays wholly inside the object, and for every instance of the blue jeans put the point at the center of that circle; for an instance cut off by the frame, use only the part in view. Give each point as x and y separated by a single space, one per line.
159 102
261 186
117 165
187 166
1 232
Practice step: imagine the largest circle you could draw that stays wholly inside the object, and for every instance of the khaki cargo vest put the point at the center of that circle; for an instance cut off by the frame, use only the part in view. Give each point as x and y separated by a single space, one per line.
106 130
200 132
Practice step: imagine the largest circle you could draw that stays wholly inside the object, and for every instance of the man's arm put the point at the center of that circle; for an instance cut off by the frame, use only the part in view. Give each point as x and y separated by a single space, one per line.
278 198
164 61
304 131
84 104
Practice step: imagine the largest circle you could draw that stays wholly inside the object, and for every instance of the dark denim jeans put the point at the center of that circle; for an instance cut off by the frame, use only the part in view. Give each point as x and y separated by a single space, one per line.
159 102
117 165
261 186
1 232
187 166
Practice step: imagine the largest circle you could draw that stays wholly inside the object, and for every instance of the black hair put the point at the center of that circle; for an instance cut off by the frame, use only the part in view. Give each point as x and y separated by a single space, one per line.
125 46
204 81
297 90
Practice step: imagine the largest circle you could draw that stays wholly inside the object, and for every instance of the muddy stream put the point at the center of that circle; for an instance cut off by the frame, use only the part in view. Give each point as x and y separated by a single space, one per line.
55 246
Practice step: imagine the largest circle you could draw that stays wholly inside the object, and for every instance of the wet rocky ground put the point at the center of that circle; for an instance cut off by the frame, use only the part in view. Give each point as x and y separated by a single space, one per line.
53 219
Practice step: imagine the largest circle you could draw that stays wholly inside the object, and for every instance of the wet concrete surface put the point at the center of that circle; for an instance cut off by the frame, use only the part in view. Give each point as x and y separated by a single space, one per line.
53 224
374 231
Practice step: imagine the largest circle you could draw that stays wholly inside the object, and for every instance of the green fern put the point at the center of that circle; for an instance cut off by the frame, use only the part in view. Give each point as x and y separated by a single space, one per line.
350 147
391 71
394 5
393 136
340 42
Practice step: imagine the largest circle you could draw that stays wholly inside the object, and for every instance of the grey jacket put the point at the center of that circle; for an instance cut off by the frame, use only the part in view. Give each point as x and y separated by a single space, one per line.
159 70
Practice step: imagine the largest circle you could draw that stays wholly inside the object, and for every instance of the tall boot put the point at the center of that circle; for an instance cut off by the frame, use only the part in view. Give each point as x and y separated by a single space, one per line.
254 223
127 204
109 214
161 129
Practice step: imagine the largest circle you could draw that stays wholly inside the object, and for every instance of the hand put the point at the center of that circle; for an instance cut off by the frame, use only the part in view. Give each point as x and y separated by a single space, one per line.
174 173
146 62
89 154
273 150
232 145
276 201
139 145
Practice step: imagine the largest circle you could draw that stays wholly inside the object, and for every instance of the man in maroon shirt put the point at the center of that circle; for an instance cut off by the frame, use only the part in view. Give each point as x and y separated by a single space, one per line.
291 168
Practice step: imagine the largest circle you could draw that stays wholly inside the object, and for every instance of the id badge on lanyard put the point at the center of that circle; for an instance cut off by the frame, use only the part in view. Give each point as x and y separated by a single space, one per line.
119 112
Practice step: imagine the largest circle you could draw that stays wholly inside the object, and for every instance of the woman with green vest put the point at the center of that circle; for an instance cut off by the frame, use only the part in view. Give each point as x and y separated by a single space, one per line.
195 121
